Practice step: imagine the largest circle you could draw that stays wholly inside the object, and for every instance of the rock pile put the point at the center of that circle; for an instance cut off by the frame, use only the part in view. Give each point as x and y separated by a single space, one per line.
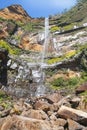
50 112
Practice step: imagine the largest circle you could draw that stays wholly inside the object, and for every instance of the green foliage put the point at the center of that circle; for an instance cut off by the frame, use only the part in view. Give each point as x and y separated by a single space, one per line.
70 54
20 24
67 55
75 16
49 72
2 19
68 27
61 82
54 29
28 27
58 82
85 96
9 48
73 81
84 60
54 60
4 100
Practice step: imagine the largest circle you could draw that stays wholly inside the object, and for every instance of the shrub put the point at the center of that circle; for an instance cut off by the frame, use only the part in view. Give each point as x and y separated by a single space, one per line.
61 82
58 82
9 48
73 81
55 28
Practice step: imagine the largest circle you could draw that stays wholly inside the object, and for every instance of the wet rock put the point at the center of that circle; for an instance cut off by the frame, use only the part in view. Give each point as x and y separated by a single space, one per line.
3 66
13 66
76 115
81 88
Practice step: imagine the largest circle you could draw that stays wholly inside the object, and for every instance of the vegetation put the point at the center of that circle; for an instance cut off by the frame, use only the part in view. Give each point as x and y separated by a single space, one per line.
61 82
67 55
69 83
9 48
54 29
4 100
75 16
28 27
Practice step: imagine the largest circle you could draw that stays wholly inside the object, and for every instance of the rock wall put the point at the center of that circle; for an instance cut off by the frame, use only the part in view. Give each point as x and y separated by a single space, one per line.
3 66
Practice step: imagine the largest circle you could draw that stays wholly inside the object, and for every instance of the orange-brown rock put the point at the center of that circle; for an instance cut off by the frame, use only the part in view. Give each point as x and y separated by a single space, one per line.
35 114
15 12
72 125
54 98
58 122
29 42
3 34
76 115
24 123
41 105
81 88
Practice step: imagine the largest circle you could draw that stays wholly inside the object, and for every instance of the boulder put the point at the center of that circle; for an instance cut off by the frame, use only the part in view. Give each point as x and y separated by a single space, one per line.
76 115
72 125
36 114
54 98
75 102
24 123
81 88
54 107
59 122
42 105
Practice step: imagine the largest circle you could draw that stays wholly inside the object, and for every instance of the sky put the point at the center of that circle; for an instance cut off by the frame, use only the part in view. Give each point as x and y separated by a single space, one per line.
40 8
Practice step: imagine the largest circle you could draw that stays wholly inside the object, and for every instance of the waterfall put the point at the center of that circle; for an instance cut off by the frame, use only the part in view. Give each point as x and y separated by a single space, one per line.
41 87
46 39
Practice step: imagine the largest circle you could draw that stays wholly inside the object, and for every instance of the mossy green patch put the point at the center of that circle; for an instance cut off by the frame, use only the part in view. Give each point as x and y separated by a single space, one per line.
9 48
67 55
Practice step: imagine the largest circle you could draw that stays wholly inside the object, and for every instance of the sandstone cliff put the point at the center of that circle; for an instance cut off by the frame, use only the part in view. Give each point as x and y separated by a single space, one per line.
15 12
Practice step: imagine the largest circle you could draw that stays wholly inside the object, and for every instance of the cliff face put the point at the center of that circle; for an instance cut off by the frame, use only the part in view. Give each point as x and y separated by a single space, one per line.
15 12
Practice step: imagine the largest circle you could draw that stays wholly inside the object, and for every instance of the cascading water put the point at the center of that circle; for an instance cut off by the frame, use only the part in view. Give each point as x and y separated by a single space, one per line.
41 87
46 39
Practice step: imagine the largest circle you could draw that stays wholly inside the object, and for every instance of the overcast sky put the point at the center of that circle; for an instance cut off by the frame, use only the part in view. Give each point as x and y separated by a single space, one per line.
38 8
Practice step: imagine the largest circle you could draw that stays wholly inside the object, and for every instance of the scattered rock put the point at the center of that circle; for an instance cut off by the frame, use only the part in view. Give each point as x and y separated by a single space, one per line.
76 115
81 88
75 102
54 98
42 105
5 113
24 123
72 125
35 114
59 122
1 108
